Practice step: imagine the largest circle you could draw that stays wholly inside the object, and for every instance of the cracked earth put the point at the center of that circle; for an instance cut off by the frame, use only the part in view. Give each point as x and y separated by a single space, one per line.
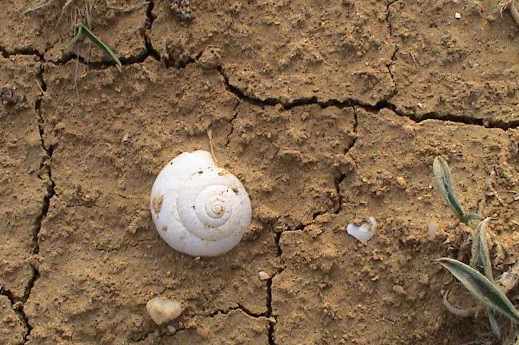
329 112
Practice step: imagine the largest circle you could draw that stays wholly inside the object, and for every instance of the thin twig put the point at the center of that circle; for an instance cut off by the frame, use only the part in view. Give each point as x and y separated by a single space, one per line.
211 145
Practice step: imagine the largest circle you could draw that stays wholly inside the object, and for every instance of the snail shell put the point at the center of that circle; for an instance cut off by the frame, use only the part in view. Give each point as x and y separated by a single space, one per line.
198 208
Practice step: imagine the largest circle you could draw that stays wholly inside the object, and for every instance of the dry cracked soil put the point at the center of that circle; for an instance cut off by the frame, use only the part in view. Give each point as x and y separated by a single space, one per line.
328 111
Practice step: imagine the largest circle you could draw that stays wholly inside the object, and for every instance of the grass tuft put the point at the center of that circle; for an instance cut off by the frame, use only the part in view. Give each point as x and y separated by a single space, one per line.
82 13
83 31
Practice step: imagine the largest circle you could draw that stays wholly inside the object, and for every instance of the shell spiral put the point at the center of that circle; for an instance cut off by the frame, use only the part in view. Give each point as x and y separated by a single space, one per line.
198 208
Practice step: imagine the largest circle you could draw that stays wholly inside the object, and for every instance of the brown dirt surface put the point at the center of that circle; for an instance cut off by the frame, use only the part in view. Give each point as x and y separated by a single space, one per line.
329 112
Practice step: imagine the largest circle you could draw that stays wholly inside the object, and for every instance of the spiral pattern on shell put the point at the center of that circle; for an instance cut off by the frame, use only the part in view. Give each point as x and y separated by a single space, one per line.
204 210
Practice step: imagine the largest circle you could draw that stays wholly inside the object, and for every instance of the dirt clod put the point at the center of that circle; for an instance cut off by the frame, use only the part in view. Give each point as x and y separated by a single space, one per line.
9 96
182 9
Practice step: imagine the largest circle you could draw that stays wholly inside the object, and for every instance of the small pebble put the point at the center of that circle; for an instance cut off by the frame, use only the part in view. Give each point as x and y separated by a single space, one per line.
263 275
457 15
163 310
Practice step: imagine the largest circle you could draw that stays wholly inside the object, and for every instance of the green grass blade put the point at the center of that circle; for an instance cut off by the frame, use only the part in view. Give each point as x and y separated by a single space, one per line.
471 219
474 251
484 253
444 182
480 258
77 36
100 44
481 288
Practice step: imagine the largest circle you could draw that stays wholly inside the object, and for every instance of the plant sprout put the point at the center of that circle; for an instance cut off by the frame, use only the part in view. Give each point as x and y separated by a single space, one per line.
493 7
82 13
83 31
477 277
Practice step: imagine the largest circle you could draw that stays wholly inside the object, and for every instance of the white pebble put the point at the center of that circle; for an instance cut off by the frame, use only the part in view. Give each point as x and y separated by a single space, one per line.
457 15
363 232
263 275
163 310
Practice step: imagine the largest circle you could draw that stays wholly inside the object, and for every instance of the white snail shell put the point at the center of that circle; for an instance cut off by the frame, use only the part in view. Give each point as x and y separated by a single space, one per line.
198 208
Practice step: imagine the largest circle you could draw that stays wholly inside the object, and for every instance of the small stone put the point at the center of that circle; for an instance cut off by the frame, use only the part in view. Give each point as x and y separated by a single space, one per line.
172 329
457 15
263 275
203 332
401 182
163 310
182 10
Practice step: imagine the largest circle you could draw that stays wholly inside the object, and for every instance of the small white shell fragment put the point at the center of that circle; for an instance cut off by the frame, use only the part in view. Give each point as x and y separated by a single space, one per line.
163 310
198 208
457 15
263 275
363 232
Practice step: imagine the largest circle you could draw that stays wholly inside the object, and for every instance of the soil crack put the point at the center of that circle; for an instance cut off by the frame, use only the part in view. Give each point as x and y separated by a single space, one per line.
273 319
388 16
5 52
339 175
231 122
373 108
389 67
239 307
394 57
17 306
45 174
150 16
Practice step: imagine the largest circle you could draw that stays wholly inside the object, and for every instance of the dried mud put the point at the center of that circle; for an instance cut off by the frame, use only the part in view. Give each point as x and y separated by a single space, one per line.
328 111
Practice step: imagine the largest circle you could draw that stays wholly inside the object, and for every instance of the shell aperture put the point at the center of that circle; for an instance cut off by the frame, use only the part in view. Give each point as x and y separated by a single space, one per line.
198 208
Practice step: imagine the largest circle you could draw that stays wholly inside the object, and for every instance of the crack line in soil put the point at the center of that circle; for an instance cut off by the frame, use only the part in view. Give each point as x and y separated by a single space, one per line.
393 58
27 51
373 108
389 66
17 307
140 57
271 329
273 319
388 16
340 176
239 307
231 122
45 168
150 16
